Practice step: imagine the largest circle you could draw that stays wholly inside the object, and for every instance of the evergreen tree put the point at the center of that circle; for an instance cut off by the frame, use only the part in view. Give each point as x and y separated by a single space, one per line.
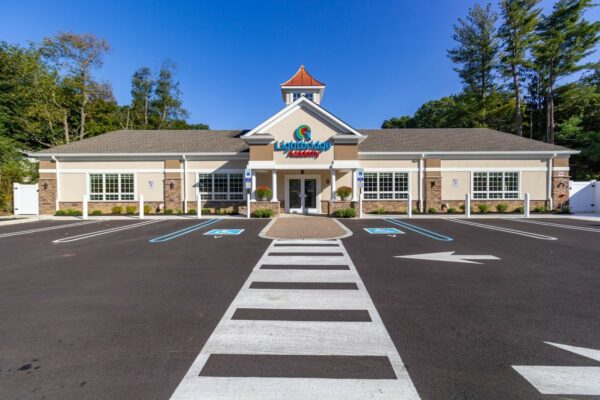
167 100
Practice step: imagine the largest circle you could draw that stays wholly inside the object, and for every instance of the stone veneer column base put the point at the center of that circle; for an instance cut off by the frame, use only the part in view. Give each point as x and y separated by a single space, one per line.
172 189
47 195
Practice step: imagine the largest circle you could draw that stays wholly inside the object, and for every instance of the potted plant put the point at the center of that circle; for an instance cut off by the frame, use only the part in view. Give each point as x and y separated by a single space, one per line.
263 192
344 192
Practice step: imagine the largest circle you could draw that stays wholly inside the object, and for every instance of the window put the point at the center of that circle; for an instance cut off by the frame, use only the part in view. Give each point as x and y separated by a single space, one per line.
495 185
111 187
221 186
296 96
386 185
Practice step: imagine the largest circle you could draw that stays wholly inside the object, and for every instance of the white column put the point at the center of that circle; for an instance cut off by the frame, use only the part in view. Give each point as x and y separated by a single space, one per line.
333 188
274 184
253 185
468 205
409 205
354 186
421 185
198 204
185 189
57 205
85 206
526 205
141 207
550 168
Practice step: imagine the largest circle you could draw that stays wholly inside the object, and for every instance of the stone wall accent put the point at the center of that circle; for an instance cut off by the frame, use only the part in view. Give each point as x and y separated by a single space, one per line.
172 190
512 204
47 195
273 205
432 191
389 206
333 206
560 190
227 207
106 206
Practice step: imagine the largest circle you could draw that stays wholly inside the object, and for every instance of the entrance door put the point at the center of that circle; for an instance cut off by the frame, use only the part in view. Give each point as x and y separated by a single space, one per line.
302 195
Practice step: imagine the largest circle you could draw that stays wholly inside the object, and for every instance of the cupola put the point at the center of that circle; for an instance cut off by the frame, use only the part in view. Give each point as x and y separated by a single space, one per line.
302 84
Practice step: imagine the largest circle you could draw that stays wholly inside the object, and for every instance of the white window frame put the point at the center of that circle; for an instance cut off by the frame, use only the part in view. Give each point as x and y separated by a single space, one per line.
394 190
210 196
119 193
502 192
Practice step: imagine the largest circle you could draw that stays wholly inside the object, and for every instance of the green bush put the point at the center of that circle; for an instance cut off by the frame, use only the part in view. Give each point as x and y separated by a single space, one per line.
462 207
96 212
483 208
431 210
179 211
501 207
344 192
540 209
345 213
130 210
518 210
168 211
263 213
416 210
192 211
73 212
60 213
380 210
205 211
452 210
147 209
218 211
565 210
116 210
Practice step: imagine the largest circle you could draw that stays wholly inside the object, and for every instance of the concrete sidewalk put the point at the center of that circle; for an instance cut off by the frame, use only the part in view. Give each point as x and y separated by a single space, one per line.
304 227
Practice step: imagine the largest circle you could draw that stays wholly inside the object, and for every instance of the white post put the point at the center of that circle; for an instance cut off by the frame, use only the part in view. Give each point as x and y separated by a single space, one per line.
354 185
185 189
141 207
198 204
468 205
248 205
550 168
409 205
421 185
85 206
360 204
274 184
526 205
333 184
253 185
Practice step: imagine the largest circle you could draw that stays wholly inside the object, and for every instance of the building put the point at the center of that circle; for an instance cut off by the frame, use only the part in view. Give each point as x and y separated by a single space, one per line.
303 153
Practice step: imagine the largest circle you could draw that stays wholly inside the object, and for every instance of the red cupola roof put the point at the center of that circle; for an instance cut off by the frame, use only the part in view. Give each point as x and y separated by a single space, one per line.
302 78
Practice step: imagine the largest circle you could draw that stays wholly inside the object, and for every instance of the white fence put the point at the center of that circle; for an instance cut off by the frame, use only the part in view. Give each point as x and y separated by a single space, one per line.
584 197
25 199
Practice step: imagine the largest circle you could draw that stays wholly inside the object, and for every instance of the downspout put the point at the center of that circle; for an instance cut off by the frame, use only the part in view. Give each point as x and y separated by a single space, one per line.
57 203
550 168
421 183
185 191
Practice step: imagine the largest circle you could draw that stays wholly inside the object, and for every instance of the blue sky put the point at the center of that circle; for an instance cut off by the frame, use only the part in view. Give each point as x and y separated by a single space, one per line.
379 59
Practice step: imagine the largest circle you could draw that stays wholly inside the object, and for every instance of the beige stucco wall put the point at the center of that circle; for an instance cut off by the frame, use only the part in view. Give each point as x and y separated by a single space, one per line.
154 193
494 163
534 182
463 180
377 164
217 164
108 165
72 187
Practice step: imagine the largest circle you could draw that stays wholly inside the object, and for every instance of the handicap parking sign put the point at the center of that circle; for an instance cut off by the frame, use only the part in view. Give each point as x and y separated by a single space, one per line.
223 232
383 231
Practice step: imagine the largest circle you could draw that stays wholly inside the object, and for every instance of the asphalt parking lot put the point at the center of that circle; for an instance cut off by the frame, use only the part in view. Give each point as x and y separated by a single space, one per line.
121 309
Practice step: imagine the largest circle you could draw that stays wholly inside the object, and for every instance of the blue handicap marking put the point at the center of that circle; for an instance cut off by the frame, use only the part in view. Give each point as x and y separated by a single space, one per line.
383 231
223 232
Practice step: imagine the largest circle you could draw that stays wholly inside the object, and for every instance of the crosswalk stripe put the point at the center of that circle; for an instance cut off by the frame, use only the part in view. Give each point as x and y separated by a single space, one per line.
327 333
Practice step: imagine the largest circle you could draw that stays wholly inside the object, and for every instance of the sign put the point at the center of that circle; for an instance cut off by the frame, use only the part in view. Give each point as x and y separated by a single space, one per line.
384 231
224 232
150 185
360 174
302 146
248 178
454 182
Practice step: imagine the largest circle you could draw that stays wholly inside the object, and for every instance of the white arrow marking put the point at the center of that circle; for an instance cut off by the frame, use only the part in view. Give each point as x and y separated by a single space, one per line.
583 381
449 256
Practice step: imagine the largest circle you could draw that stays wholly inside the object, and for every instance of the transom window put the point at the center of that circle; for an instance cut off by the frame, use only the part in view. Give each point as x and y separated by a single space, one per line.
495 185
221 186
297 95
111 187
386 185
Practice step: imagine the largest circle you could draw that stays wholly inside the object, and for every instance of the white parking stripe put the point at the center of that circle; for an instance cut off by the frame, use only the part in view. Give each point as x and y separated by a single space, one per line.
299 338
305 249
574 227
307 242
104 232
501 229
48 228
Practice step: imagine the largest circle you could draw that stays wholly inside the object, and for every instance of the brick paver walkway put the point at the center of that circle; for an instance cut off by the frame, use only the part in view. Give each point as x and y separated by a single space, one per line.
305 227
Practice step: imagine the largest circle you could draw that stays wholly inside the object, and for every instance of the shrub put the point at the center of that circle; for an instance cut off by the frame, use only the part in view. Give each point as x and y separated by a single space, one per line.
116 210
192 211
350 213
483 208
540 209
168 211
263 192
72 212
462 207
380 210
60 213
518 210
344 192
501 207
147 208
205 211
130 210
416 210
263 213
565 210
218 211
96 212
179 211
452 210
431 210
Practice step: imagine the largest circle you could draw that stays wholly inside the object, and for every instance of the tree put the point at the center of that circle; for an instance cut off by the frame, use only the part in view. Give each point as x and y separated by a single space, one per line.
79 54
519 19
167 100
404 121
476 52
565 38
142 87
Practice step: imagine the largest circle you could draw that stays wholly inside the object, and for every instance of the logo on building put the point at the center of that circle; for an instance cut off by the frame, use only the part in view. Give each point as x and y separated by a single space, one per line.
303 146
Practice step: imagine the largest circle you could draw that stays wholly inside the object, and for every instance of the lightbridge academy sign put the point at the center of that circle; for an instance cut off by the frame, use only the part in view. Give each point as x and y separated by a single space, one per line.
302 146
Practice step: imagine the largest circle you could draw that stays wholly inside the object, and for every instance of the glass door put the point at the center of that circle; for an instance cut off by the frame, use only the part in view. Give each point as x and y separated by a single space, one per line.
295 195
310 195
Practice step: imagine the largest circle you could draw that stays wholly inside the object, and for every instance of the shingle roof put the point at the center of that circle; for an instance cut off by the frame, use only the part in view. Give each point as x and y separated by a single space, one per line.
442 140
302 78
378 140
157 141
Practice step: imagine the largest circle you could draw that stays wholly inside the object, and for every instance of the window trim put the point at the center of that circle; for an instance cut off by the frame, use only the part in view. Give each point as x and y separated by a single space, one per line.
88 185
210 196
393 192
503 191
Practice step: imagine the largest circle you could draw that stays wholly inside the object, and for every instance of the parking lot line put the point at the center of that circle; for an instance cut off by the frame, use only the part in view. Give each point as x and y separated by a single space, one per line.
104 232
501 229
575 227
49 228
419 230
184 231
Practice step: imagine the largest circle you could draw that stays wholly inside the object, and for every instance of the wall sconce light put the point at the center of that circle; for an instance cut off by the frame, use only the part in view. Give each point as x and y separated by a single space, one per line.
172 186
560 184
45 185
432 184
301 172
